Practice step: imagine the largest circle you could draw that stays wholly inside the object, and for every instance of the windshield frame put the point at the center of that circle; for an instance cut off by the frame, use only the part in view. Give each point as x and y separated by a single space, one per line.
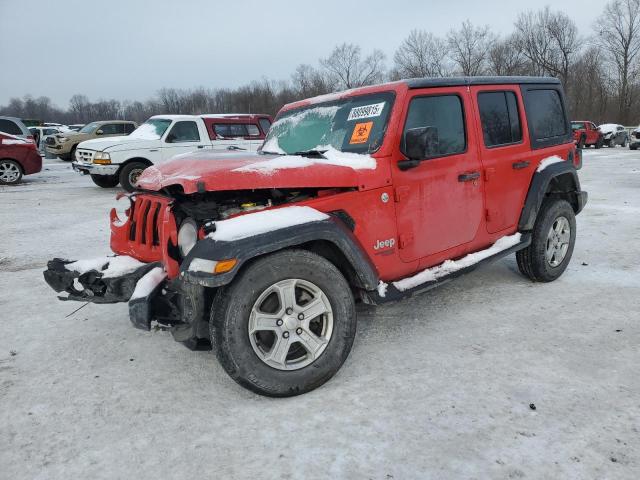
333 102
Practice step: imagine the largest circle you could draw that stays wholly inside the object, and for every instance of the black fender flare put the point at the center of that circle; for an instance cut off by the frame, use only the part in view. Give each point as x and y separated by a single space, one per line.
332 230
558 179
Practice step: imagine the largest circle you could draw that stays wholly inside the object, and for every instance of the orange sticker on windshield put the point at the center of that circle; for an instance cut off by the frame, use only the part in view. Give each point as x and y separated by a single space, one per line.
361 133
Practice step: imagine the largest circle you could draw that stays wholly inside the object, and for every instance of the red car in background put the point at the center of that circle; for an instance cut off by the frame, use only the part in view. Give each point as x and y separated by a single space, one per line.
586 133
18 157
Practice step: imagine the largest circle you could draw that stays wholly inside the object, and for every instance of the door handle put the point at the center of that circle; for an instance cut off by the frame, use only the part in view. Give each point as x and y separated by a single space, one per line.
468 177
520 165
201 146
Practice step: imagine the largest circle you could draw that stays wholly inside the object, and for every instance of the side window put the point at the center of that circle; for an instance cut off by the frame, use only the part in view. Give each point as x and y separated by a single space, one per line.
231 130
128 128
109 129
546 114
253 130
499 118
265 125
7 126
185 131
444 114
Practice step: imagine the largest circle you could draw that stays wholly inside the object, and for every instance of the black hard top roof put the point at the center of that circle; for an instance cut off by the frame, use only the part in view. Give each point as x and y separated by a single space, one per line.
481 80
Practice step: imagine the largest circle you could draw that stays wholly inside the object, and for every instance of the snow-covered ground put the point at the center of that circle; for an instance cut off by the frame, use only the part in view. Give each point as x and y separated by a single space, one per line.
438 386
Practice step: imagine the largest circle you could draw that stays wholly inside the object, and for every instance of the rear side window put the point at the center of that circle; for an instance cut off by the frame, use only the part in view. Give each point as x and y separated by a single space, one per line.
546 114
499 118
230 130
128 128
253 130
7 126
112 129
265 124
445 114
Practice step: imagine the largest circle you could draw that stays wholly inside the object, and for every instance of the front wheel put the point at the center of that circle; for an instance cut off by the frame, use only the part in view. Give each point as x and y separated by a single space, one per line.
552 242
129 175
105 181
285 325
10 172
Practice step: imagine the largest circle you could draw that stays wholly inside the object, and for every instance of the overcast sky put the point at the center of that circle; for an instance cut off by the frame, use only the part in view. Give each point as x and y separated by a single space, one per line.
129 49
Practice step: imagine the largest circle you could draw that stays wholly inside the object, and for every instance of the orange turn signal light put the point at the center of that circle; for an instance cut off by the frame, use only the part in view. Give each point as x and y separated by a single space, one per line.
224 266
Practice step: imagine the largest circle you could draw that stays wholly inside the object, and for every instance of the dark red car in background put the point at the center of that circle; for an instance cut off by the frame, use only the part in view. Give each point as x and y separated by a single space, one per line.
18 157
586 133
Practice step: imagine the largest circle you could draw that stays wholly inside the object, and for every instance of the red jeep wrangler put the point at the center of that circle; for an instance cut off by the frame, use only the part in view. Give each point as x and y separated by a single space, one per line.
368 195
586 134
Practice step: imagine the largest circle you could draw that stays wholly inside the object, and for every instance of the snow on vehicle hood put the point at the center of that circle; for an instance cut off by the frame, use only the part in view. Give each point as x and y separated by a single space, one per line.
607 127
239 171
118 144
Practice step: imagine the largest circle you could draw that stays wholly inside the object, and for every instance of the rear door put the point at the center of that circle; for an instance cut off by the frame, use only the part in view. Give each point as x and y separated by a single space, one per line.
229 135
505 153
439 202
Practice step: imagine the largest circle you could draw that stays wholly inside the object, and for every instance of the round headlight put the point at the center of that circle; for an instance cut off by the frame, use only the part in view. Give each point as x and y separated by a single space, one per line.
187 236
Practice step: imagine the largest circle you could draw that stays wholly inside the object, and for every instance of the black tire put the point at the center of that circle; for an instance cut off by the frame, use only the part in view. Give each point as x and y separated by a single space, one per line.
129 173
633 147
105 181
72 155
599 143
532 261
10 171
625 142
582 141
230 324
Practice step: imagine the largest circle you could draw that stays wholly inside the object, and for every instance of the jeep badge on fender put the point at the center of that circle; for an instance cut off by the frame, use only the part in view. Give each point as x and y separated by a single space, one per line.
264 255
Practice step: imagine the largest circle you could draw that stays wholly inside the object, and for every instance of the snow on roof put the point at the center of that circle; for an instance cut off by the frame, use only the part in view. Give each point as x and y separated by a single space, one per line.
608 127
251 224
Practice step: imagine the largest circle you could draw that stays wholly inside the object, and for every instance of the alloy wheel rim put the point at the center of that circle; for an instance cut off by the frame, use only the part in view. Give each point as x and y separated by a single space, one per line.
290 324
558 240
9 172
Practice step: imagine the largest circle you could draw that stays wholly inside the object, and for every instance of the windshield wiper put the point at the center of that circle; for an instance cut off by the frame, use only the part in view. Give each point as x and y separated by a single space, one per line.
310 153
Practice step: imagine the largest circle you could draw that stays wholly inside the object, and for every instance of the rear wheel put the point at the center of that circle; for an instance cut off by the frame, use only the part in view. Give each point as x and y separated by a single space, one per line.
552 242
581 141
10 172
599 143
129 175
105 181
72 155
285 325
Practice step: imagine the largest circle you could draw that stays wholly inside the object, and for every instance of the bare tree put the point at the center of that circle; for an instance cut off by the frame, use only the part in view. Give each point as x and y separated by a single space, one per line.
505 58
422 54
348 69
619 35
549 40
309 82
469 47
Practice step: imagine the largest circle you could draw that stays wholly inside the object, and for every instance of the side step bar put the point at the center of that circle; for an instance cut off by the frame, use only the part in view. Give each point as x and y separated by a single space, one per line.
393 294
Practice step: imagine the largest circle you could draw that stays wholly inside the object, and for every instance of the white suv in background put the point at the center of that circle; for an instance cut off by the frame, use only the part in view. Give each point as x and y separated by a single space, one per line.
121 160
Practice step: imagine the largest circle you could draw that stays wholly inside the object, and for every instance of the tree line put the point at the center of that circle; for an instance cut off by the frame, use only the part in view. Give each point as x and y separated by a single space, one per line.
600 71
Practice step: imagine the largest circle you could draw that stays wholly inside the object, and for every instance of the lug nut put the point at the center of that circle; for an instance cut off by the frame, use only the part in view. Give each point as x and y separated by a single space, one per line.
301 316
285 334
289 311
279 323
298 331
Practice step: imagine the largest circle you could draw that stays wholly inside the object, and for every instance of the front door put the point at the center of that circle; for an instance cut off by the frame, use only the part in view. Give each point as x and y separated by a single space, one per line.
439 202
183 137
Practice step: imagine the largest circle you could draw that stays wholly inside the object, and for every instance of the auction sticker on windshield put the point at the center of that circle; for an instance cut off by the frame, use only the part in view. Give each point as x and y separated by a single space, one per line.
361 133
366 111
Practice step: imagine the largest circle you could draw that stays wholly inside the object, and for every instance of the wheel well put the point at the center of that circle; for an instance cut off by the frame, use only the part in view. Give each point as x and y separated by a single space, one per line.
331 252
563 186
16 161
148 163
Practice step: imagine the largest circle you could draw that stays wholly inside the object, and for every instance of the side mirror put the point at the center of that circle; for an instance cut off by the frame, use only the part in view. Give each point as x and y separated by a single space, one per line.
421 143
99 132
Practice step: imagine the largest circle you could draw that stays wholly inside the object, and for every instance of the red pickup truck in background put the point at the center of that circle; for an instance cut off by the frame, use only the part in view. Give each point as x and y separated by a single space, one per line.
586 133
